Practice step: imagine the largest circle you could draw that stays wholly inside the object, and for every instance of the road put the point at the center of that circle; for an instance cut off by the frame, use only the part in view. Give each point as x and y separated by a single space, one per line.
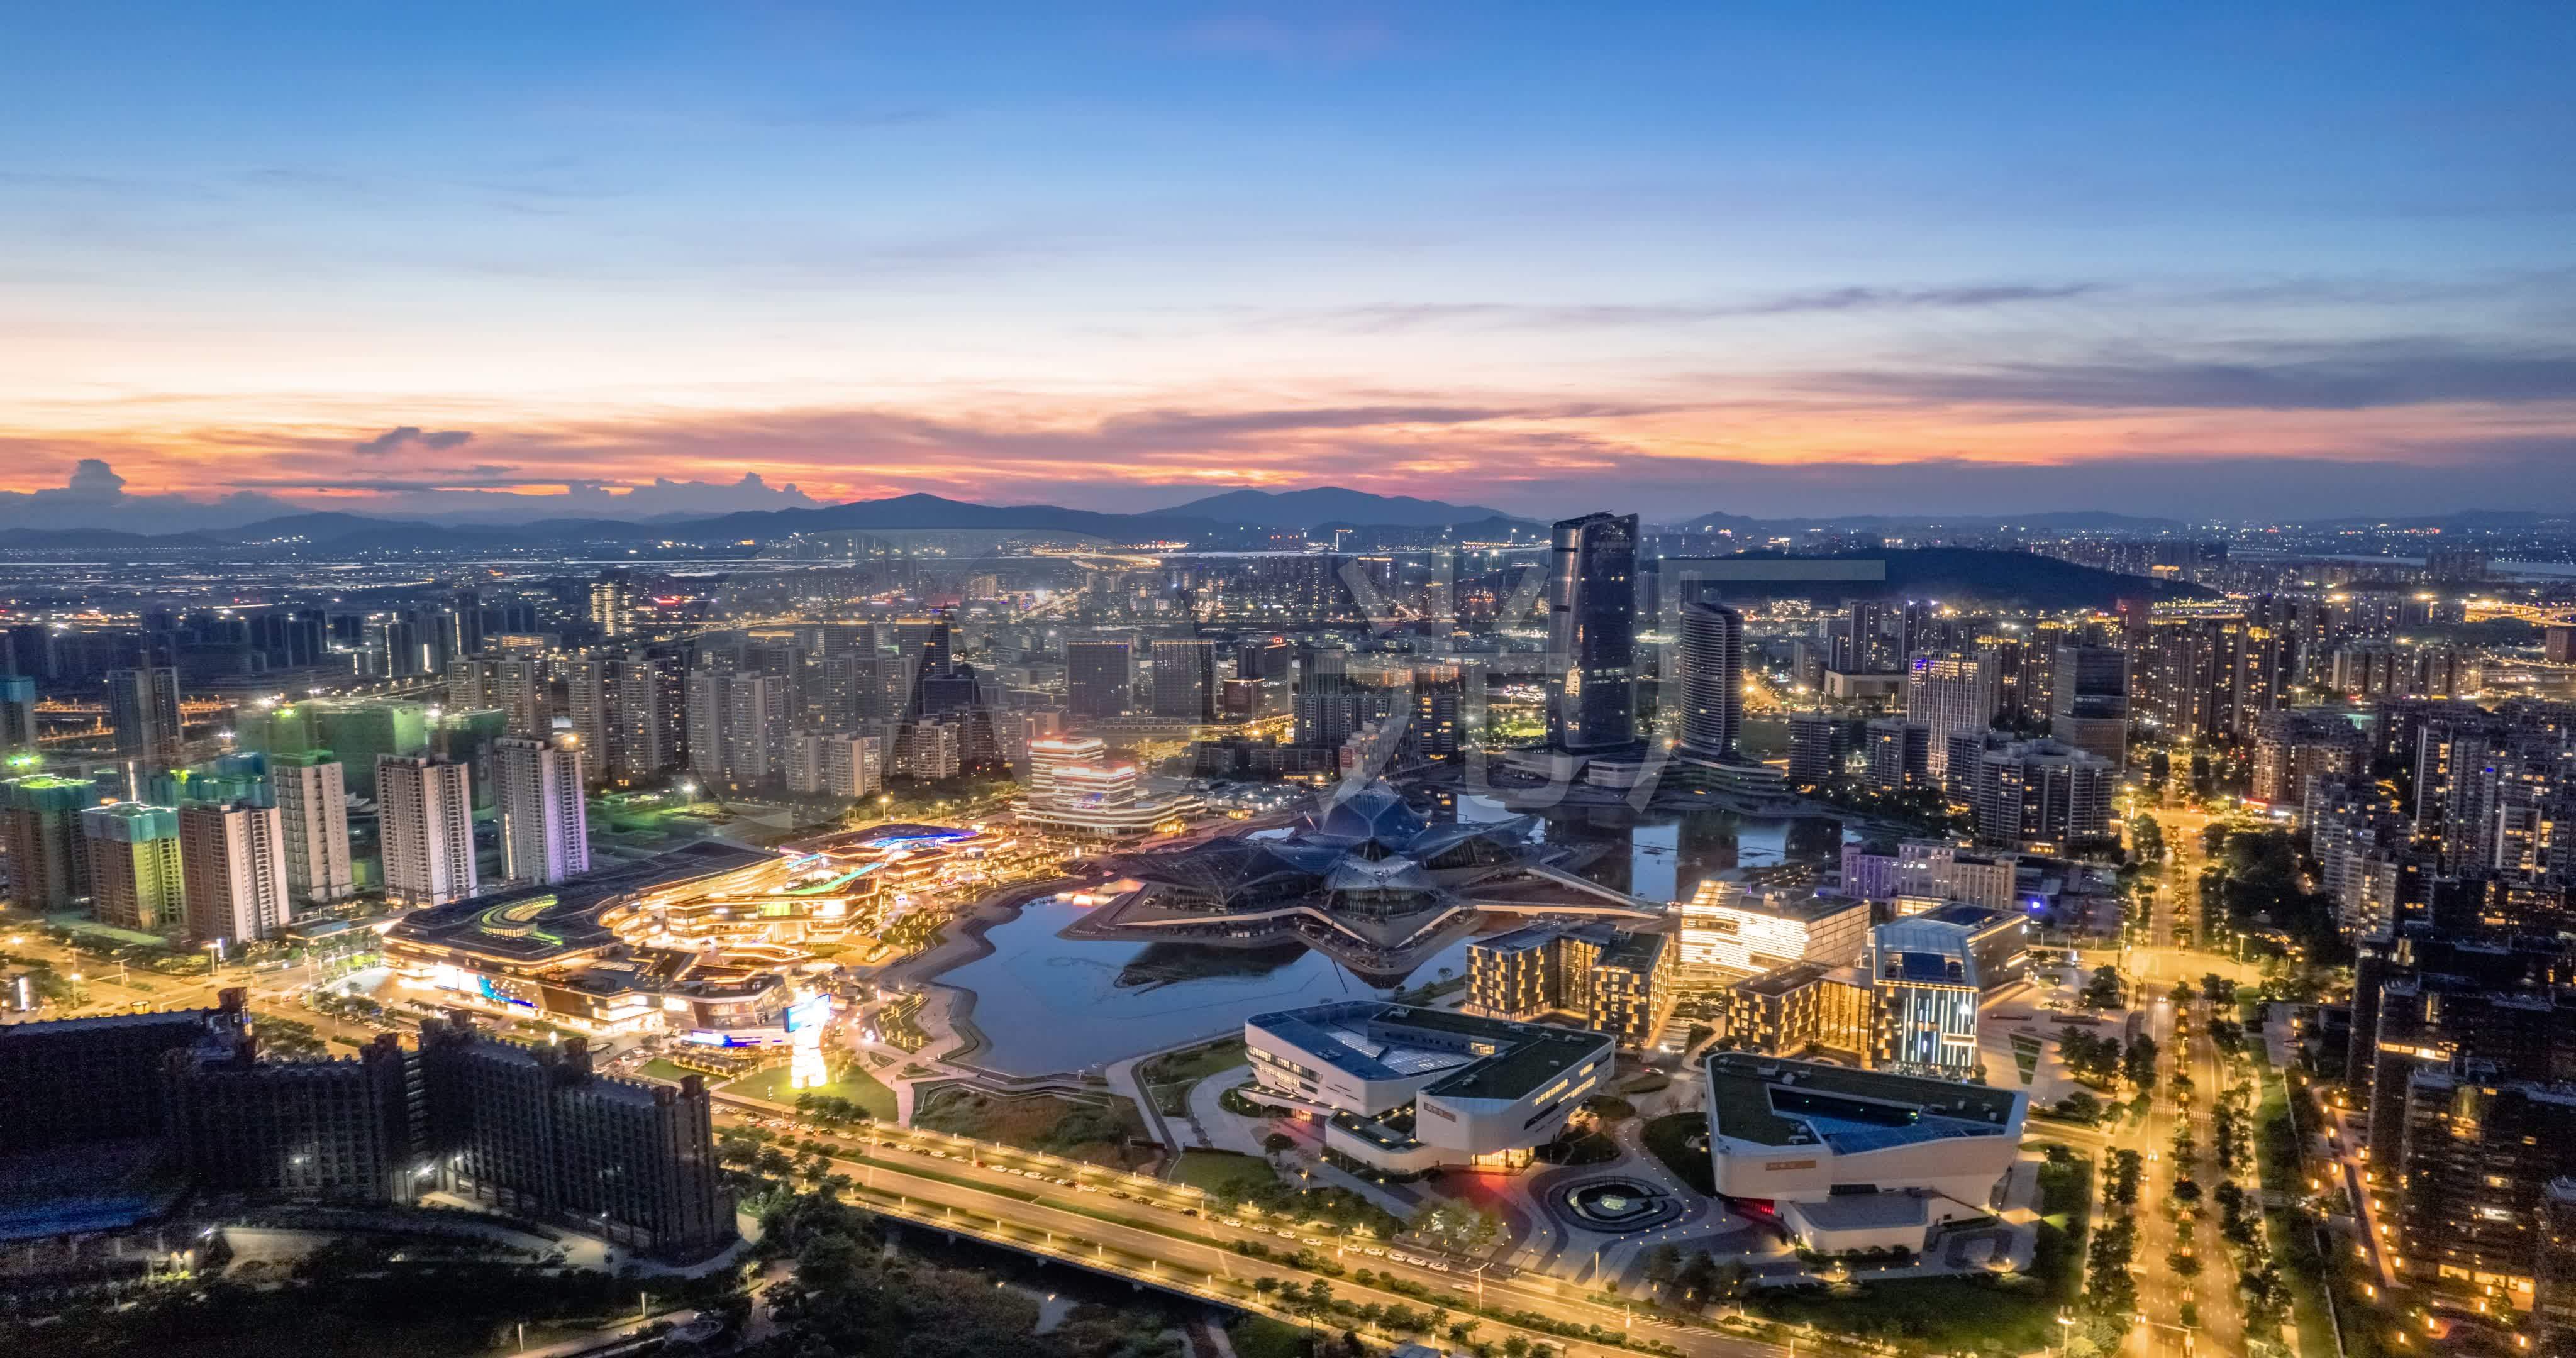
2154 969
108 988
899 1163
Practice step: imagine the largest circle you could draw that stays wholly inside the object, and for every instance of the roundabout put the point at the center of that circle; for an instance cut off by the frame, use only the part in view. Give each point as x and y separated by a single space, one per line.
1618 1205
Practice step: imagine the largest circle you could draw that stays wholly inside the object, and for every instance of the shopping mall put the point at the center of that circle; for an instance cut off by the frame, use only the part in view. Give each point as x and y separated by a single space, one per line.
706 941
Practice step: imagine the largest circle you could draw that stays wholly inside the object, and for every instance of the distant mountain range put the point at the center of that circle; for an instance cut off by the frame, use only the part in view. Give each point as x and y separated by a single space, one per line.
1328 505
1234 518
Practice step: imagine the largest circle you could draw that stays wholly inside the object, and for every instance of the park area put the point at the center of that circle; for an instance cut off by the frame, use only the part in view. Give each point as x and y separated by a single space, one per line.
849 1083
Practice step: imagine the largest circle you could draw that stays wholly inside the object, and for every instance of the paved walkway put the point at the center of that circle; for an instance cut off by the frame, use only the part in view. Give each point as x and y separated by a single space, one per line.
1217 1128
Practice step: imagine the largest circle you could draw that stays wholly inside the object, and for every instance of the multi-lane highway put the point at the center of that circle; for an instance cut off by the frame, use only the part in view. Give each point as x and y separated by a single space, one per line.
1049 1206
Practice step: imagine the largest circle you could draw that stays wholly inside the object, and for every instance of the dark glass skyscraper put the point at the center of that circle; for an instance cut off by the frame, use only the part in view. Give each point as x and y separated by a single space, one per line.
1592 634
1712 679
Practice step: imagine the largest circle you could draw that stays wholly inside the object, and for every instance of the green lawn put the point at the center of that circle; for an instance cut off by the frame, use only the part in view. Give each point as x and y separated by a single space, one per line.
1261 1337
1944 1314
855 1085
1669 1138
1218 1172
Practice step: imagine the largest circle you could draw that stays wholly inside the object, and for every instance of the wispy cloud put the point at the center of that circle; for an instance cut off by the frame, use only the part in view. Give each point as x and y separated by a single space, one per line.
1502 315
411 436
2354 376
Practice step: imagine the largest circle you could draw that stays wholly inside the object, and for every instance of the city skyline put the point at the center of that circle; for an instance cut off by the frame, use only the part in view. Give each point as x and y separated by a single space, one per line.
2002 259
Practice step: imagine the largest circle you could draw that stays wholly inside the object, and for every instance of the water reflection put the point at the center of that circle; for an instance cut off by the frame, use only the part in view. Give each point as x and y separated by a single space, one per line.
1047 1004
1665 855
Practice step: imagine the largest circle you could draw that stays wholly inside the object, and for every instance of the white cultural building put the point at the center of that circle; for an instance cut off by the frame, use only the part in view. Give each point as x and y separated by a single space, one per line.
1854 1159
1406 1088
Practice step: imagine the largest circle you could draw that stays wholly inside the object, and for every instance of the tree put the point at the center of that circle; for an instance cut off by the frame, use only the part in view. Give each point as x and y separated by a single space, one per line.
2140 1062
2079 1107
2182 993
1663 1264
1514 1346
2103 991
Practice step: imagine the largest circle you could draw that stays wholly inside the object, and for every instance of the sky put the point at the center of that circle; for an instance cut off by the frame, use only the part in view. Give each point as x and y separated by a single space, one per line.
2209 260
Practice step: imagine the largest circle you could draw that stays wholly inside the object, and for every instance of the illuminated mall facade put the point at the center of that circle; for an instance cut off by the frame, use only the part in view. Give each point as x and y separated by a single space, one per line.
713 942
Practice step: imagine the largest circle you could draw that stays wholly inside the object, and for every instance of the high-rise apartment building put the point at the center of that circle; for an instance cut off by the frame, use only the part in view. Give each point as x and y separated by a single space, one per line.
134 871
313 815
534 1131
48 863
233 863
545 833
612 603
1712 680
427 812
1592 635
143 707
835 763
1950 694
2044 792
2088 701
2292 750
18 731
1185 679
738 726
2480 1150
1821 745
1900 753
515 684
1098 676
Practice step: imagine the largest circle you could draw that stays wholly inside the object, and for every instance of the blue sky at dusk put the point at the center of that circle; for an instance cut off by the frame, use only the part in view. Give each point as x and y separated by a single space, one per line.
2203 259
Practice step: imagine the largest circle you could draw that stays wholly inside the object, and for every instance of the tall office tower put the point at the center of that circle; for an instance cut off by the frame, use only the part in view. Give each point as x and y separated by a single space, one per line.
545 833
2294 749
1326 702
2088 701
18 731
233 863
1592 634
48 864
1950 694
313 815
1874 636
515 684
2479 1152
143 706
1439 711
2044 792
134 872
427 809
535 1132
358 731
395 648
835 763
1712 680
1185 680
1266 660
1097 678
1931 972
612 603
738 727
465 736
1821 745
1900 754
925 645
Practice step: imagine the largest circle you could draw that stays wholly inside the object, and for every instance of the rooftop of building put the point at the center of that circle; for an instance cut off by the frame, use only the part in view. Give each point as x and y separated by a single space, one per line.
535 924
1795 977
1715 894
1773 1101
1632 951
1365 1038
